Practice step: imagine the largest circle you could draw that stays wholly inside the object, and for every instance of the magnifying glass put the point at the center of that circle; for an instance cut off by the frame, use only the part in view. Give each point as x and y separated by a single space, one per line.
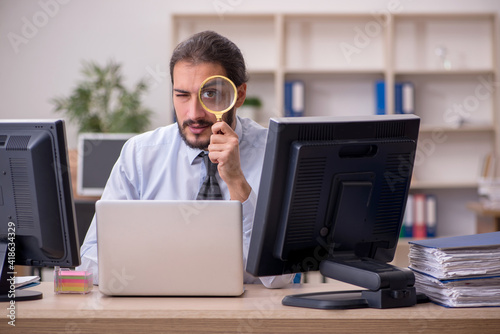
217 95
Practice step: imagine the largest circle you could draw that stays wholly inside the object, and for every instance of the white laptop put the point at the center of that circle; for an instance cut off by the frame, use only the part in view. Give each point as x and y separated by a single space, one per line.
170 248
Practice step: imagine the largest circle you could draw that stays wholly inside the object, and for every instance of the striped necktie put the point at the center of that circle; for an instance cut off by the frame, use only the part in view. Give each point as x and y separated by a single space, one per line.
210 189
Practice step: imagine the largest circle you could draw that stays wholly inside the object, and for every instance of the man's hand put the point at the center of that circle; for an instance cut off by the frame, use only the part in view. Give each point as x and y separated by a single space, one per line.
224 150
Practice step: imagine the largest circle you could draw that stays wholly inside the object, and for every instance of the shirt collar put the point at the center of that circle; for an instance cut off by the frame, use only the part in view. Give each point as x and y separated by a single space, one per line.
192 153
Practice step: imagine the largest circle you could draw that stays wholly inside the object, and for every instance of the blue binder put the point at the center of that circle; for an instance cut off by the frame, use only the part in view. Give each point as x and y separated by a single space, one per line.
380 97
398 98
403 98
294 98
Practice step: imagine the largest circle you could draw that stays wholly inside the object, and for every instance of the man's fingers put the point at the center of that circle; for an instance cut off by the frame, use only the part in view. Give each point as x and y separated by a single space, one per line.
221 127
224 139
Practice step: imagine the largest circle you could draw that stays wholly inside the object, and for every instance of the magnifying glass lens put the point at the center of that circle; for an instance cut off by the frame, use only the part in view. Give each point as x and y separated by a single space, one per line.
217 95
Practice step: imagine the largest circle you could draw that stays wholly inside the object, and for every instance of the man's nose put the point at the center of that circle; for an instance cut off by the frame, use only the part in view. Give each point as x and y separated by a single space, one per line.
196 110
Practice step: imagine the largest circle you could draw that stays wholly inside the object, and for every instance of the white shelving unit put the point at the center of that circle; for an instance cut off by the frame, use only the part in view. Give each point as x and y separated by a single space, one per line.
453 92
340 56
458 106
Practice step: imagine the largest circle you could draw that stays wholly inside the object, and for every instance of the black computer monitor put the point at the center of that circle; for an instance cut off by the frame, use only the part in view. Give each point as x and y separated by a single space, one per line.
37 220
332 196
97 154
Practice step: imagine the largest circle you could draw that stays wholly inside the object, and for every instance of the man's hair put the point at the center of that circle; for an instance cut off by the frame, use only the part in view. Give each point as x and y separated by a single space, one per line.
210 47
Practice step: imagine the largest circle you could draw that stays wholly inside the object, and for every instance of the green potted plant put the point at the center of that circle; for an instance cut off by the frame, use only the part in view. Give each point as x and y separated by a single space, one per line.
101 103
250 107
105 111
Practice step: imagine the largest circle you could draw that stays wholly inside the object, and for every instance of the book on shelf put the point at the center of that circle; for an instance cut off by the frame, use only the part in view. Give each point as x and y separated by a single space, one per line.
404 98
380 97
420 217
294 98
430 215
461 271
408 218
419 228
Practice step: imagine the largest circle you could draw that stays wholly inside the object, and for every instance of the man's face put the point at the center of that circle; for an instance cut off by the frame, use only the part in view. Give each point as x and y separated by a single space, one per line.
195 122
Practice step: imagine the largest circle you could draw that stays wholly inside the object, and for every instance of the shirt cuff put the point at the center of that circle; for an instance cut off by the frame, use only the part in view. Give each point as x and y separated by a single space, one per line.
277 282
89 264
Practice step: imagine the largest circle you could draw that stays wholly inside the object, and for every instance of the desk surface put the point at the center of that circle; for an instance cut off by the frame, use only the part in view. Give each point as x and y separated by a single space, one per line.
259 310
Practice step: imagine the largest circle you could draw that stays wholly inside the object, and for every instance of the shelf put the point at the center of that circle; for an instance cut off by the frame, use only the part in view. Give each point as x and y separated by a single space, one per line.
421 185
465 128
450 159
442 72
445 16
338 94
447 101
333 71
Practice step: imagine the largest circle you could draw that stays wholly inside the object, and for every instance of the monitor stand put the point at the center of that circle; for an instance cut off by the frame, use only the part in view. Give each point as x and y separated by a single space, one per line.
8 292
388 286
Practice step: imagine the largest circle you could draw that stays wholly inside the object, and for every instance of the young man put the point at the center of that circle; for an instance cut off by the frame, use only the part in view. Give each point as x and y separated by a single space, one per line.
166 163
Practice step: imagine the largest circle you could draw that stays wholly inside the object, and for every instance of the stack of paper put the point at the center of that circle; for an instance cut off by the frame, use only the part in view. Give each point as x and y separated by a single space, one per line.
458 271
26 281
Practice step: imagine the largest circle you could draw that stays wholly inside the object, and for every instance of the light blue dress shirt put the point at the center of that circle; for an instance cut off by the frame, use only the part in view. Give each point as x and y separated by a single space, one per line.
158 165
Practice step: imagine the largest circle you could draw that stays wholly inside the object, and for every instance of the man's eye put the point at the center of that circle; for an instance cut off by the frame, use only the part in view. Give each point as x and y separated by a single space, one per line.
209 94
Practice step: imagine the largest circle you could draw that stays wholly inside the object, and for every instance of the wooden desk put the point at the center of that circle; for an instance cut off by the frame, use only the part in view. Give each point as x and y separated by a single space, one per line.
259 310
487 219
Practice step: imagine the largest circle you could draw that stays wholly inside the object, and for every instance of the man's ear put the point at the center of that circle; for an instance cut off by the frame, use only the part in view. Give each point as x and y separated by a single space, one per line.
242 94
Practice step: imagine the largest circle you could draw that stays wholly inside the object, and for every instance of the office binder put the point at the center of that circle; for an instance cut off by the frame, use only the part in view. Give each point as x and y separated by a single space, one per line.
419 225
403 98
461 271
457 257
473 241
380 97
465 292
408 217
407 98
430 215
294 98
398 98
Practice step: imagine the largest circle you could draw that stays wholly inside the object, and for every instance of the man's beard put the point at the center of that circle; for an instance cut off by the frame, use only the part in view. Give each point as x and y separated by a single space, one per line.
228 117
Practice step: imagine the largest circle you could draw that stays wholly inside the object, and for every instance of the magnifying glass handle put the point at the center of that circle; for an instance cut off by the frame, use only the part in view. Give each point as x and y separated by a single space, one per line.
219 119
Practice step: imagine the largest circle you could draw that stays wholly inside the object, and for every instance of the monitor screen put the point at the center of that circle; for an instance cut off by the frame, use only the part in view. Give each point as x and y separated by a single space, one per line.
332 196
37 225
97 154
